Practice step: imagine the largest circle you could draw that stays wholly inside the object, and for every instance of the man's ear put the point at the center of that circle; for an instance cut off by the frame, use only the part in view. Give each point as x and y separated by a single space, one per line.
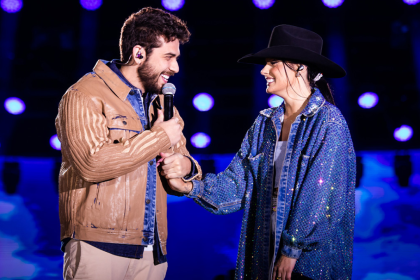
138 54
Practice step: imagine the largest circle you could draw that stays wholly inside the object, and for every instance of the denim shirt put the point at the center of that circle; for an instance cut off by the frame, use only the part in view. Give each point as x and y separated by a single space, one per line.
315 204
135 99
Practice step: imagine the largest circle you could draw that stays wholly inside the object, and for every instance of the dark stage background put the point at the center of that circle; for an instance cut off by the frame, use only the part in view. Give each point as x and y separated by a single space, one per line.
46 46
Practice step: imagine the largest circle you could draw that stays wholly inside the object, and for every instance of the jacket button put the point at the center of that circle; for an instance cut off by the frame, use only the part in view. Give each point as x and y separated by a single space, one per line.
147 201
124 123
144 239
150 163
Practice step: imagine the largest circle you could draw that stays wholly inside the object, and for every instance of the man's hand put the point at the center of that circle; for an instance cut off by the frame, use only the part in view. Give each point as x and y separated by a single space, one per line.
179 185
283 268
171 127
174 165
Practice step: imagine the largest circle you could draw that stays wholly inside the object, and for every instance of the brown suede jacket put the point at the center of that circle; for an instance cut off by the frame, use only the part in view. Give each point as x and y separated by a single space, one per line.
103 176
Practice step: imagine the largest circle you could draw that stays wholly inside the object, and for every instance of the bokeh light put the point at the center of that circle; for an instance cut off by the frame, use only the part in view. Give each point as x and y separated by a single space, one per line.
91 5
200 140
332 3
173 5
275 101
411 2
14 105
203 102
263 4
55 143
11 6
403 133
368 100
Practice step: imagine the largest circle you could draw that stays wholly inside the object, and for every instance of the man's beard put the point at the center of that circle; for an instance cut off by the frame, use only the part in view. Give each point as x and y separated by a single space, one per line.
148 78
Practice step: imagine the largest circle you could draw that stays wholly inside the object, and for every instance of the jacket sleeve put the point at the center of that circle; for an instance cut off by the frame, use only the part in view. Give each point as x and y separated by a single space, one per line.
321 200
182 149
225 192
83 132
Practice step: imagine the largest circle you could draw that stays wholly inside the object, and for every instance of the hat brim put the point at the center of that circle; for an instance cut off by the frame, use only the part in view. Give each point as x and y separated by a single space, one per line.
327 67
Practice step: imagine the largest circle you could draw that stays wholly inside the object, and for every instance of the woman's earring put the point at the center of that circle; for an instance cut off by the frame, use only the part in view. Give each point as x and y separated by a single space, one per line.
319 76
300 68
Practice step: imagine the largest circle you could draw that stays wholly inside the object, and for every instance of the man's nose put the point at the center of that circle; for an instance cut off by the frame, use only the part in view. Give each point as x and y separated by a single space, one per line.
174 67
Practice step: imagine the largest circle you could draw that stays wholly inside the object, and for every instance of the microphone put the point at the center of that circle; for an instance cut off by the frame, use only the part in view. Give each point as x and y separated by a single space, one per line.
168 91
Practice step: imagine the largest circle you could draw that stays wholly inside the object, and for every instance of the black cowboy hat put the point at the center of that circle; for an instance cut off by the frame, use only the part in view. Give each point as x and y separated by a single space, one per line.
296 44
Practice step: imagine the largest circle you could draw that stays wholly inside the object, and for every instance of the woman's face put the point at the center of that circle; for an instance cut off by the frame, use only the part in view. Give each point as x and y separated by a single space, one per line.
275 74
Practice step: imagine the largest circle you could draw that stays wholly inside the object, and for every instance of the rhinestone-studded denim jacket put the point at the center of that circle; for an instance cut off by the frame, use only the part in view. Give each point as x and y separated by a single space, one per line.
315 206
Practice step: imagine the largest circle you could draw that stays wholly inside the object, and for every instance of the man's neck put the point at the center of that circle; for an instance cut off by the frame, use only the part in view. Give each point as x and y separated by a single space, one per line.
130 73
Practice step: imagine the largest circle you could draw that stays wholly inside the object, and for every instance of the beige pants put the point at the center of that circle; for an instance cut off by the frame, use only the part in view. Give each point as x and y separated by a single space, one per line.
84 261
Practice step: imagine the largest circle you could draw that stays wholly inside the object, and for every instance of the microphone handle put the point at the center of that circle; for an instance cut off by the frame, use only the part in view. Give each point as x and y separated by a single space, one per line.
168 107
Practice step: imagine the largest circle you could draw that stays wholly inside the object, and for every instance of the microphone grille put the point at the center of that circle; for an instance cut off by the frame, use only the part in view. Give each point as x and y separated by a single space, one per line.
169 88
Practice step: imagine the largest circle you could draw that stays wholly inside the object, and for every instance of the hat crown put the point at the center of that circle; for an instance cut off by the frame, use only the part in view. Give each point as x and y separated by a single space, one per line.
288 35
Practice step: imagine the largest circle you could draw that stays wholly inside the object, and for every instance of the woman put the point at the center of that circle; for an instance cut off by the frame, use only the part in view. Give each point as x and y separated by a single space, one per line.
294 175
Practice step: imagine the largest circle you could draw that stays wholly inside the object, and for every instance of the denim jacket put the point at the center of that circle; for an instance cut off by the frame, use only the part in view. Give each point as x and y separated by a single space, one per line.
315 206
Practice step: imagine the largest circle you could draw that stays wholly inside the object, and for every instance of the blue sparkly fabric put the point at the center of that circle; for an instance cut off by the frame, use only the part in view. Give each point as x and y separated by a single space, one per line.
315 206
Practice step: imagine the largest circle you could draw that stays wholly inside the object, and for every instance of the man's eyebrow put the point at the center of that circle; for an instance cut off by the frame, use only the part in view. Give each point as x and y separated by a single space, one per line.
171 54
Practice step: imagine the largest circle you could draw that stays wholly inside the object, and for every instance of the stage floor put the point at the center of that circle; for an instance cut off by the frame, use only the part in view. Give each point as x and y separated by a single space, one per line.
387 232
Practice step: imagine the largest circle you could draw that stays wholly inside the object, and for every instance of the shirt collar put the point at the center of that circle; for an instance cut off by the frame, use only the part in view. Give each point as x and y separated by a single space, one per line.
112 79
113 65
315 102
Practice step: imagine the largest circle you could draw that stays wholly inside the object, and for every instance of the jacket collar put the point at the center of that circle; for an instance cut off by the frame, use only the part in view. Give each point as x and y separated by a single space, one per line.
111 79
315 103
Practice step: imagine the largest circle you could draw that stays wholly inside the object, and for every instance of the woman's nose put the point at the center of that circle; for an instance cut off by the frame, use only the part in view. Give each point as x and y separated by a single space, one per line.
264 71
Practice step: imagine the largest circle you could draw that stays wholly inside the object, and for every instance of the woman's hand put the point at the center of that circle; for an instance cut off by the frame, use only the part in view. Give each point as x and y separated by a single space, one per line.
283 268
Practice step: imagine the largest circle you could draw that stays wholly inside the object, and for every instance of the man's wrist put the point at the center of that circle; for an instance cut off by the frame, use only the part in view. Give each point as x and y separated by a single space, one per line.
192 170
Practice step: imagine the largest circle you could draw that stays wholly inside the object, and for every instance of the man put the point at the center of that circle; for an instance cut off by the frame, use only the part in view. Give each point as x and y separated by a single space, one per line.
110 123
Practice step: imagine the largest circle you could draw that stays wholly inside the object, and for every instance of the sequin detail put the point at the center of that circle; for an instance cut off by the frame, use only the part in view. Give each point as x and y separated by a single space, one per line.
315 213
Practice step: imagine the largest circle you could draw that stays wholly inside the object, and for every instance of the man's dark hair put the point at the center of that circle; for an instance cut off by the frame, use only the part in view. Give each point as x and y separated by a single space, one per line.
146 26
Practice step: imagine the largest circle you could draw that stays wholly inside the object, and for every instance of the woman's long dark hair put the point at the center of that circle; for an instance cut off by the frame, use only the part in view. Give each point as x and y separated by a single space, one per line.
321 84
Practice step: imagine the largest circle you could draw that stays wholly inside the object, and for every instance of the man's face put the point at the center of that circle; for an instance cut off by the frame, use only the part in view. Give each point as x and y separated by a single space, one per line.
160 64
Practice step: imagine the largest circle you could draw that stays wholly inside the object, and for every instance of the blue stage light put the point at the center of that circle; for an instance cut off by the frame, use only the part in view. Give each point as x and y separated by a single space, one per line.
14 105
200 140
411 2
332 3
368 100
403 133
11 6
55 143
203 102
91 5
263 4
275 101
173 5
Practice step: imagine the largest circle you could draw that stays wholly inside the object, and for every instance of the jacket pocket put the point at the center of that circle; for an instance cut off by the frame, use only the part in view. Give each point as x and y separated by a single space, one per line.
253 158
303 167
109 204
122 128
254 163
118 135
120 121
